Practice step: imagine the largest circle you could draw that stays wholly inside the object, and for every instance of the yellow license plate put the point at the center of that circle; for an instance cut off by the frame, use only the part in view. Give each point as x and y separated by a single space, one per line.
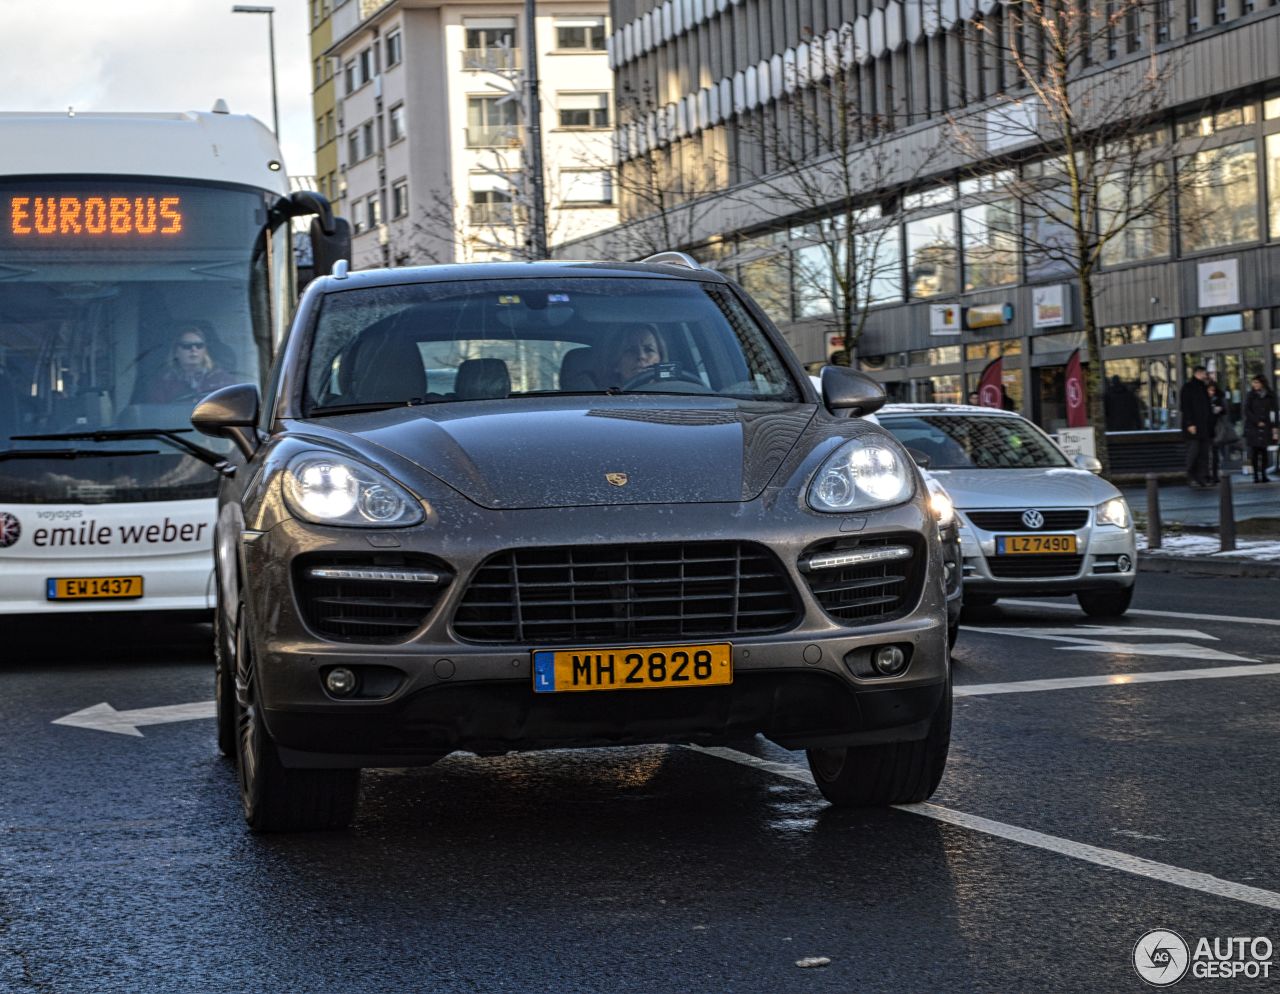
1035 545
639 668
94 587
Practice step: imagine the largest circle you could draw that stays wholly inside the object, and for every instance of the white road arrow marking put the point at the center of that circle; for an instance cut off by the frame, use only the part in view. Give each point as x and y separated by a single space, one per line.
1076 631
105 718
1112 680
1181 650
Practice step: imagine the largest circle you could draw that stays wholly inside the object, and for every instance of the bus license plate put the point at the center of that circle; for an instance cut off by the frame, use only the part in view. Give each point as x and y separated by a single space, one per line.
94 588
1035 545
638 668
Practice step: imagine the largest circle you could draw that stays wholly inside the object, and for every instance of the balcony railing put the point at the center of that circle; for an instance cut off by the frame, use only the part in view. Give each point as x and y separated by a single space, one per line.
498 215
496 136
491 59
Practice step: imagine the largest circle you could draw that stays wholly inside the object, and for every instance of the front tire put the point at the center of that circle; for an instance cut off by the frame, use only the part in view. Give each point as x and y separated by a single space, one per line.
274 797
1105 603
224 685
889 773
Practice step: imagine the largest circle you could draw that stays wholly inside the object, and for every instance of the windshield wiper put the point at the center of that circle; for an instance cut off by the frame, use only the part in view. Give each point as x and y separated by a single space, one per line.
370 406
171 435
6 454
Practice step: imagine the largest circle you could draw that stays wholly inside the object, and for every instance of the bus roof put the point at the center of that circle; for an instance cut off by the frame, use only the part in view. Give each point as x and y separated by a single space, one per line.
217 147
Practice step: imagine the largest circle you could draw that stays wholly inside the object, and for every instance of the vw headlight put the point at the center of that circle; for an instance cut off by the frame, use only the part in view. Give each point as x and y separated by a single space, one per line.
328 489
940 503
1113 512
860 475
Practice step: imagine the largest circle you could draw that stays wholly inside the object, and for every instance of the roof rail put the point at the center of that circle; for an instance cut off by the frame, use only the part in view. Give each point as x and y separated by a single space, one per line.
673 259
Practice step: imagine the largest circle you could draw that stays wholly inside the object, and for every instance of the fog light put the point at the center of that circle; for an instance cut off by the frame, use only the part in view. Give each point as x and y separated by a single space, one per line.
1124 564
888 660
340 681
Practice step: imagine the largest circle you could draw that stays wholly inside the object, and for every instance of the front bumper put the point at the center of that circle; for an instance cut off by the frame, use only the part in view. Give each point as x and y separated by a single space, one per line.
799 687
1108 560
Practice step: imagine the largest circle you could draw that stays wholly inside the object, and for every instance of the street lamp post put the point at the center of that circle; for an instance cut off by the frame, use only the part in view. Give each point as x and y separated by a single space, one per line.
242 8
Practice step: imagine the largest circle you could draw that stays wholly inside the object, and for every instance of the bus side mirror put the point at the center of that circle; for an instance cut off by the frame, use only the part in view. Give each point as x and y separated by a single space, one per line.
231 412
328 247
845 389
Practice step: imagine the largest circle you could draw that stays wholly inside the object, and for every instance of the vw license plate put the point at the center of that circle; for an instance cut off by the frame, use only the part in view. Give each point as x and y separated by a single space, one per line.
93 587
639 668
1035 545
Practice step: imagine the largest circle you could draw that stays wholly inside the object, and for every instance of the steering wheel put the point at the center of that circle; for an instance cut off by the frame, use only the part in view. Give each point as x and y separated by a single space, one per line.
652 373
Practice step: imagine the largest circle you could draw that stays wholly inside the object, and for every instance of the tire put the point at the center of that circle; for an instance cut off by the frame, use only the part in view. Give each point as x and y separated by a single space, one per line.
275 798
889 773
953 633
1105 603
224 686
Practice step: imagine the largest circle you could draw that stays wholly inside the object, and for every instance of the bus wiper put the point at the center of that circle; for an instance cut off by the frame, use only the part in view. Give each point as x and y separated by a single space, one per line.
171 435
6 454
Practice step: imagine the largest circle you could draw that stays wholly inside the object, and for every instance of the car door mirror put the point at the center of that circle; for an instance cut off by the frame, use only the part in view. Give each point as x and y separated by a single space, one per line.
231 412
920 458
845 389
1083 461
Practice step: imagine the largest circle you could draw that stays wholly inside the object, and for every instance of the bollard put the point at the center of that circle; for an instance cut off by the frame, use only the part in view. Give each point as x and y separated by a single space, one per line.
1154 537
1226 516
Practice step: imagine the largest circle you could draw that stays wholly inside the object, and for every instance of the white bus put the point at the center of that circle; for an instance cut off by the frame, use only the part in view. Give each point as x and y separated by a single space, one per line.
145 259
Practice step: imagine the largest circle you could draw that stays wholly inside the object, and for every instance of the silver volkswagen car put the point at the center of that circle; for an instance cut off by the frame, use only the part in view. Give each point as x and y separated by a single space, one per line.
1032 521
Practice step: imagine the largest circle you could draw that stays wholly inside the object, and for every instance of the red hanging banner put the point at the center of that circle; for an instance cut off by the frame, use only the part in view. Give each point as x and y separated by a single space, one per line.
991 385
1077 411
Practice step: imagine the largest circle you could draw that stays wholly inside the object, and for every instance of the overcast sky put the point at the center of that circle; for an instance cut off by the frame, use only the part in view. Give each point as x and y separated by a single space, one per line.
151 55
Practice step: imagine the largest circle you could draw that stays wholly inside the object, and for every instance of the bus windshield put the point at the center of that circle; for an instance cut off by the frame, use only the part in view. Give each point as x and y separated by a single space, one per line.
122 304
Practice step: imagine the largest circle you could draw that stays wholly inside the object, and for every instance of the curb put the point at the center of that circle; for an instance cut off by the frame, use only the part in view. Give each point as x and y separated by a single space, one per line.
1206 566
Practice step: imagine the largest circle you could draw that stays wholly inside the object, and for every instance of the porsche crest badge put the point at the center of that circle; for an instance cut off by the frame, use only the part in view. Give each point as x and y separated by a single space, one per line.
617 479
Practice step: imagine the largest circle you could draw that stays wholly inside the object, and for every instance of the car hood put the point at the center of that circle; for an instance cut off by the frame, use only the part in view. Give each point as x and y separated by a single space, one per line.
1023 488
597 450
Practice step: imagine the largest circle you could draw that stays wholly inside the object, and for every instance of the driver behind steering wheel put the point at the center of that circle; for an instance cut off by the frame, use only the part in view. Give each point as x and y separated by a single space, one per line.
190 372
634 350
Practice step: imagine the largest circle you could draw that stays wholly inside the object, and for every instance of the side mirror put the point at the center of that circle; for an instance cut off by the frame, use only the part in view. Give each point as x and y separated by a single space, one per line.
1083 461
231 412
920 458
327 247
844 389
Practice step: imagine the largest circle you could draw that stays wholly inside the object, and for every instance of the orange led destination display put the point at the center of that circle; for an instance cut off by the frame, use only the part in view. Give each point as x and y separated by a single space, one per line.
42 218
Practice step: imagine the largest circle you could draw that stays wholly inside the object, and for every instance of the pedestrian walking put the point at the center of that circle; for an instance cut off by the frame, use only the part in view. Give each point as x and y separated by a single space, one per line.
1260 425
1223 431
1197 426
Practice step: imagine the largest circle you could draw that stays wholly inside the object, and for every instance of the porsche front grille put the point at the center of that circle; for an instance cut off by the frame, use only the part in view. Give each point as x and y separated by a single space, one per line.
597 594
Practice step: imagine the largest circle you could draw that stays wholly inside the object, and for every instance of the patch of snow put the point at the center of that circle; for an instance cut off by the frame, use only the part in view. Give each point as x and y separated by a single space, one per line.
1265 550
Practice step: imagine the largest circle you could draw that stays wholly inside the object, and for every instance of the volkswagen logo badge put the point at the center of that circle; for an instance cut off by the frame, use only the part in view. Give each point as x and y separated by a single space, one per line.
10 530
1033 519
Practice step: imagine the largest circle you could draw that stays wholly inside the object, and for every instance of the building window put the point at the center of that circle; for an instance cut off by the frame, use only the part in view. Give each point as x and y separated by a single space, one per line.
493 206
1225 324
492 122
583 110
1273 183
586 186
1139 394
1135 206
1164 17
319 72
366 134
395 123
349 76
580 34
358 222
353 148
366 66
931 256
1203 126
373 210
490 43
330 127
320 138
395 49
1218 197
990 233
400 198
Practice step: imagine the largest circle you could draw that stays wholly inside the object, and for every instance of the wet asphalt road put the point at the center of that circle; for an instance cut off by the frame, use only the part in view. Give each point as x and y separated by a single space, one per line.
125 865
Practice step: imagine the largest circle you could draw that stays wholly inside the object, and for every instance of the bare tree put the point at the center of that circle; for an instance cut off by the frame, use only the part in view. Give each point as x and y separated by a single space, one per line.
816 153
1108 187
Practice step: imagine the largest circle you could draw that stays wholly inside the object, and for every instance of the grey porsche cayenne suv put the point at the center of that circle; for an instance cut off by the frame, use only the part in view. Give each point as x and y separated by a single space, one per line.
522 506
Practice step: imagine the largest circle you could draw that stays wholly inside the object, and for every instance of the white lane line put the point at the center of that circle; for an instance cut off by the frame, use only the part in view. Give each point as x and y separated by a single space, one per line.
1147 612
1109 858
1113 679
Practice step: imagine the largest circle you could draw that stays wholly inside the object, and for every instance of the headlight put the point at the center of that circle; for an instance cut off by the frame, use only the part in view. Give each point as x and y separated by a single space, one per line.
940 503
1113 512
329 489
860 475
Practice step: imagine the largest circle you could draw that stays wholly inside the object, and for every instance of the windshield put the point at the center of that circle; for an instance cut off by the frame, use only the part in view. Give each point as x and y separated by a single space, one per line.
969 441
122 304
492 339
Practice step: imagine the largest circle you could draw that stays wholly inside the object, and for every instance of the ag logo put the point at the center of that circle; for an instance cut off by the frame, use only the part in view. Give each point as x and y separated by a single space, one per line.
1161 957
10 530
1033 519
1073 393
990 396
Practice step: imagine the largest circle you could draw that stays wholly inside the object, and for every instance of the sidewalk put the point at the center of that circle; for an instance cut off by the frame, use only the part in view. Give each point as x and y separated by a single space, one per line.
1180 505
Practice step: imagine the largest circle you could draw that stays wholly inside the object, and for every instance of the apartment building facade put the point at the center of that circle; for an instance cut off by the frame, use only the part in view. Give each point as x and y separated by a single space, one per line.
431 126
700 81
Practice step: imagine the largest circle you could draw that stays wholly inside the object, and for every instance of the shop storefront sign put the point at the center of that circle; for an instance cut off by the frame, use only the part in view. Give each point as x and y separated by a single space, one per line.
987 315
1051 306
1077 442
1219 283
944 319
